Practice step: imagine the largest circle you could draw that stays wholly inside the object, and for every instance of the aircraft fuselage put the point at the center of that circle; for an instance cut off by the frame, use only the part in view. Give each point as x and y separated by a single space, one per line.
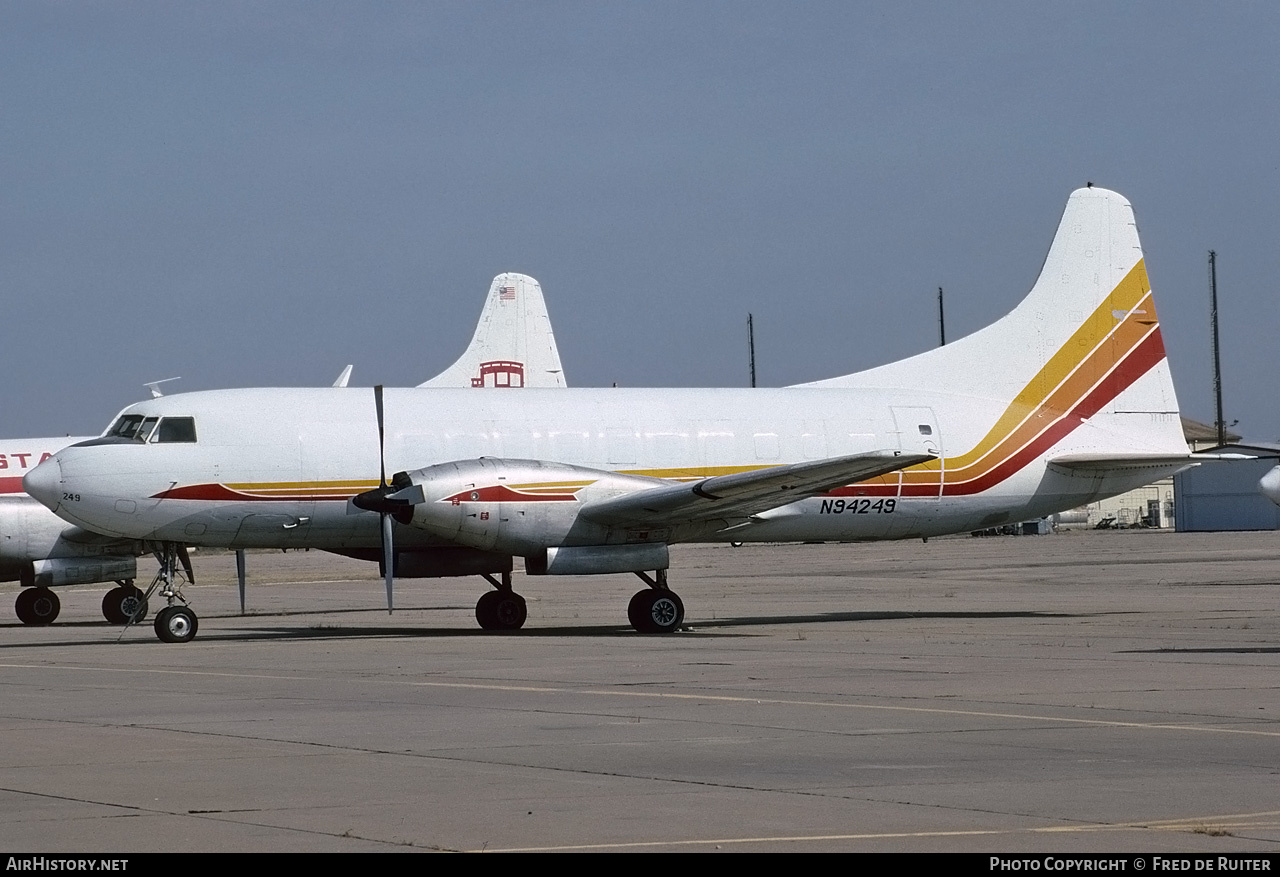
278 468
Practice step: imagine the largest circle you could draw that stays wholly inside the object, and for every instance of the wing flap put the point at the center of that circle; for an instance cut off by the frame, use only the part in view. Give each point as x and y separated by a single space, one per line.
743 494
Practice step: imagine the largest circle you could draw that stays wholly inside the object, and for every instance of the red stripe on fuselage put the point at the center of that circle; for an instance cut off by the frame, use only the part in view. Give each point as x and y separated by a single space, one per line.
1145 356
222 493
1141 359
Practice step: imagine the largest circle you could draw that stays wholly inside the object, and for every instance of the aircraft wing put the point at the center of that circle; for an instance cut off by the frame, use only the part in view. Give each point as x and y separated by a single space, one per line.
743 494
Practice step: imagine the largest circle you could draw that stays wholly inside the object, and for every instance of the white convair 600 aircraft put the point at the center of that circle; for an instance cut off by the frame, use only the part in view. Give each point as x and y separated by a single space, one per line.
1066 400
513 346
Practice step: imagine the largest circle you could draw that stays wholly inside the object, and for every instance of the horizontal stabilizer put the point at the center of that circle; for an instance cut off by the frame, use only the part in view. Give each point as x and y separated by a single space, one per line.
1106 463
743 494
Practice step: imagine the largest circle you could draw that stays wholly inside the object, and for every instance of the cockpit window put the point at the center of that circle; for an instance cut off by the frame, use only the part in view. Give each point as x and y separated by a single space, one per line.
126 426
138 428
176 429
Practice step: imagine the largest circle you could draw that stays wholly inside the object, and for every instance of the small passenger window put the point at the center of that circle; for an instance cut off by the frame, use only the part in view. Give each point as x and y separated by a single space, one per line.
176 429
926 429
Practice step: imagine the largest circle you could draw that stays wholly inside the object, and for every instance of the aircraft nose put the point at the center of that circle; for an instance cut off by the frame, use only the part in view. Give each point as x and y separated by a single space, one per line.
45 482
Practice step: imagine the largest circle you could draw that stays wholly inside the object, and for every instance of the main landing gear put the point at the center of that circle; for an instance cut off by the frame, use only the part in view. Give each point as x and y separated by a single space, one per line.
502 609
37 606
121 605
124 604
657 609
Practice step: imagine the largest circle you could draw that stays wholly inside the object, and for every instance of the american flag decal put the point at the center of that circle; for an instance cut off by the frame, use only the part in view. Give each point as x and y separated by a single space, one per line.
506 293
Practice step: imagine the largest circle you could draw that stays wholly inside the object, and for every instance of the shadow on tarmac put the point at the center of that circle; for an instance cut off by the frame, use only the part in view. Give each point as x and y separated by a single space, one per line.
719 627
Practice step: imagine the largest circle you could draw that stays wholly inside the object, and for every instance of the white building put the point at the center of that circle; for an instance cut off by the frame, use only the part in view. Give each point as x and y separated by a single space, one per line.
1154 505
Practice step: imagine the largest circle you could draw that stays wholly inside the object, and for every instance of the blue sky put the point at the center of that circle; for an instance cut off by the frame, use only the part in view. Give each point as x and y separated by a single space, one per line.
251 194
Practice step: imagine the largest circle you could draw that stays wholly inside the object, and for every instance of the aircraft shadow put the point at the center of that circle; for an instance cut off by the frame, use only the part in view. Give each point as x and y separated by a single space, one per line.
1220 650
718 627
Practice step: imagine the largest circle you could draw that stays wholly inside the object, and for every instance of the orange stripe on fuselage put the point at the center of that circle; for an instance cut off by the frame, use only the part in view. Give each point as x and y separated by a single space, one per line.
1059 403
1085 341
1095 349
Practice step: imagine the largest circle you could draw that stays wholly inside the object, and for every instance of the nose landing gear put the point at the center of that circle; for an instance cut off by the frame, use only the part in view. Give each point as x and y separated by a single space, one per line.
177 622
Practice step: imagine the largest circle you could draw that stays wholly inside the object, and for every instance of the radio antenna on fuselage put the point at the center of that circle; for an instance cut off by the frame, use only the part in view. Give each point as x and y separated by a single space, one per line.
154 386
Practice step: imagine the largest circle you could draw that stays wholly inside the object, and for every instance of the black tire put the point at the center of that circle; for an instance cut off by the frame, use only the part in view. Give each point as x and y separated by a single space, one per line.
656 611
37 606
498 611
176 624
123 604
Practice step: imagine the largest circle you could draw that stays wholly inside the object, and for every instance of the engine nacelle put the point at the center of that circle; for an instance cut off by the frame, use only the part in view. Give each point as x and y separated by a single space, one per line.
513 506
78 571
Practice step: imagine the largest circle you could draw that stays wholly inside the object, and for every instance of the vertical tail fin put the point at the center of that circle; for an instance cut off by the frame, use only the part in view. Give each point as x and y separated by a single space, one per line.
1085 341
513 345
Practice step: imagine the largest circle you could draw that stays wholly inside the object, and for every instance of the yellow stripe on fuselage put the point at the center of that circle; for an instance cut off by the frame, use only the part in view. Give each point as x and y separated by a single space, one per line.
304 485
1041 398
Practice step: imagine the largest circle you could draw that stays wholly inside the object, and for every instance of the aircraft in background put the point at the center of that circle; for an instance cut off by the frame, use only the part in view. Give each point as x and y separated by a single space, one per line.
1066 400
40 550
513 346
1269 486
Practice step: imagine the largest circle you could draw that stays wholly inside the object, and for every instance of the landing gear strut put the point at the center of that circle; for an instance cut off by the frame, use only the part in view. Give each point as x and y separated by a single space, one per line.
175 623
502 609
657 609
37 606
124 604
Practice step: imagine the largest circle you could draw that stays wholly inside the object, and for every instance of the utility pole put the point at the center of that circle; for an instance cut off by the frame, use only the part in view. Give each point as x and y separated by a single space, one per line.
942 322
1217 363
751 348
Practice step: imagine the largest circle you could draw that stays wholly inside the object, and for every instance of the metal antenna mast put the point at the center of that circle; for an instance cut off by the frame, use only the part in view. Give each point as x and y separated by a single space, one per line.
942 322
751 347
1217 364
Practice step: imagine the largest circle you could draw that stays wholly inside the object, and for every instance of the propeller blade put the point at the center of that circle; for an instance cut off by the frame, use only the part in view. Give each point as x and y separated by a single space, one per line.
240 575
388 558
376 501
382 437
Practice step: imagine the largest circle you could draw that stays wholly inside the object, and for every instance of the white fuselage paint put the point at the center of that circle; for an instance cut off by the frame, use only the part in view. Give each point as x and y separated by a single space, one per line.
265 438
